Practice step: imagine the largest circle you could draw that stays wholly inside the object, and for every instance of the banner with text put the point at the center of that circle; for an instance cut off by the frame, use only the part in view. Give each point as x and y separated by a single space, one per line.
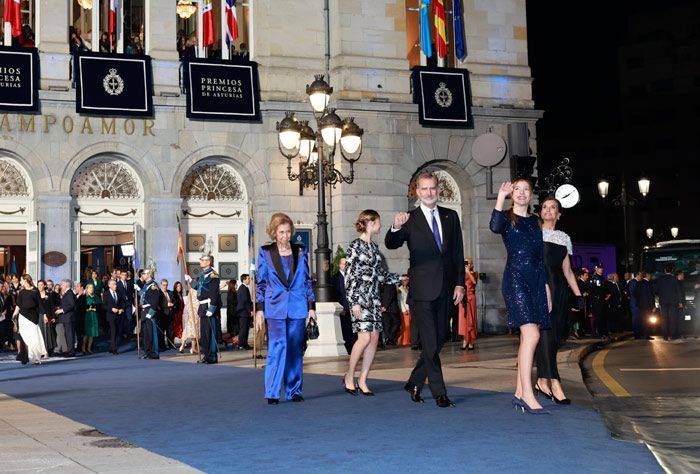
19 79
220 90
113 84
443 96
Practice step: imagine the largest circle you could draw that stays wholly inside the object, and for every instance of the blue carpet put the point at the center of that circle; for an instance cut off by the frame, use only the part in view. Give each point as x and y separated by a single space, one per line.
216 419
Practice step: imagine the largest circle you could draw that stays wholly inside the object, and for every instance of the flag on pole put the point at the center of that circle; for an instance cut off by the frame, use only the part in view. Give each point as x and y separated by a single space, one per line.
440 34
13 16
251 240
180 246
135 259
13 268
112 21
458 28
207 23
425 44
231 22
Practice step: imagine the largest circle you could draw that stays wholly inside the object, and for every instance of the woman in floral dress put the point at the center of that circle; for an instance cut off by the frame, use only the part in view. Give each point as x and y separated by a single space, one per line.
190 322
363 275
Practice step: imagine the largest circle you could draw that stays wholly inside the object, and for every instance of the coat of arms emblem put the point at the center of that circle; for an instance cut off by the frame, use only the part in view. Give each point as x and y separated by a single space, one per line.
443 96
113 83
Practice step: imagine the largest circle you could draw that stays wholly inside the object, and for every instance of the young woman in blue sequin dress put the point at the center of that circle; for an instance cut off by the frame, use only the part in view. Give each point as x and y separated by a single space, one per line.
524 281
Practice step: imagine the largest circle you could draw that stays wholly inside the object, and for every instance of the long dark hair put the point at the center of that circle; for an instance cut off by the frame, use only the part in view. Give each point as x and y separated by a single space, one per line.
511 212
175 290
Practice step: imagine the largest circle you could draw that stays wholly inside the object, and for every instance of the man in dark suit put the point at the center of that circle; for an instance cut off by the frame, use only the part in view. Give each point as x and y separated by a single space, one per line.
670 301
113 305
341 296
644 295
637 327
434 239
125 288
65 313
166 315
390 313
244 310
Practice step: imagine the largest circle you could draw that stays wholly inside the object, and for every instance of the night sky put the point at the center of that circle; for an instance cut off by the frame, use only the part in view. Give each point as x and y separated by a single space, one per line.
620 85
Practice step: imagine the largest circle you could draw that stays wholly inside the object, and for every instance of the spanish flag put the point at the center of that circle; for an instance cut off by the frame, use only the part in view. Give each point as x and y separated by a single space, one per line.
440 35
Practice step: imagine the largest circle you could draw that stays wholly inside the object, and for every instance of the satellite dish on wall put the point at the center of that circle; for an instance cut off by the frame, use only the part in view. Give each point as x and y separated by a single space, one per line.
488 149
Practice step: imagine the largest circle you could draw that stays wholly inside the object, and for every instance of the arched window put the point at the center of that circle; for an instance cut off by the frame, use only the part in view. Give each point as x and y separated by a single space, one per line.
212 182
105 178
449 194
196 18
13 182
27 15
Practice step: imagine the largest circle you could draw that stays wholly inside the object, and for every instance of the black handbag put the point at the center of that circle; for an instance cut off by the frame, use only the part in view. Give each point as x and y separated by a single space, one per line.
312 329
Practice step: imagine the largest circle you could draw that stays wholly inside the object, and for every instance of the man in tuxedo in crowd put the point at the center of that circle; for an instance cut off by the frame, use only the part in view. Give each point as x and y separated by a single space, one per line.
614 303
391 321
125 288
600 295
670 301
638 328
644 294
113 304
341 296
244 310
166 315
64 327
434 239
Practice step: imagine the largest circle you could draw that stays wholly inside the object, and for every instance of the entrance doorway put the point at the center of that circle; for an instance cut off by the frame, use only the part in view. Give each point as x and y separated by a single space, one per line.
105 250
13 251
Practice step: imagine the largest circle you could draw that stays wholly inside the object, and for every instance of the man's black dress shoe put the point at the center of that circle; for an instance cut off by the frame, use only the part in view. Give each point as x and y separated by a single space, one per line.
414 390
297 398
273 401
444 402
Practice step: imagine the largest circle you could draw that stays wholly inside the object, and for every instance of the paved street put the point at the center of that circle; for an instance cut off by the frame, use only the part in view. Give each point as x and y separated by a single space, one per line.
121 414
649 391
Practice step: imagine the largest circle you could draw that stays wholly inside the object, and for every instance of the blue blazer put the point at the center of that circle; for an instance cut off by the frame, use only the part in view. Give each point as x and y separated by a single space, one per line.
277 294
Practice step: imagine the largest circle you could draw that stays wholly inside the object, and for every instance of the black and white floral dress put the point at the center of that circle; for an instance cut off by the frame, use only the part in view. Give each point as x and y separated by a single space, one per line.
363 275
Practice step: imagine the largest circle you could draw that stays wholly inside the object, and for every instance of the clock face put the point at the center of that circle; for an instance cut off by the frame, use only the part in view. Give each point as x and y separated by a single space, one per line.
567 195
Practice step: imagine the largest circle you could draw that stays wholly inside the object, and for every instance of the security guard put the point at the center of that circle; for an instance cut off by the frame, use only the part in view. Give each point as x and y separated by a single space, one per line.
207 286
149 294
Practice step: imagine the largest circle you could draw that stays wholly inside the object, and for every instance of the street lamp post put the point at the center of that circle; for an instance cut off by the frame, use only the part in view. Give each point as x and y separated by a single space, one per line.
625 200
316 151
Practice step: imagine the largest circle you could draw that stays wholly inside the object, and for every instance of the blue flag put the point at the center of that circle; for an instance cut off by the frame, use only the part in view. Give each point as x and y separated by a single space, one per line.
135 259
425 44
460 51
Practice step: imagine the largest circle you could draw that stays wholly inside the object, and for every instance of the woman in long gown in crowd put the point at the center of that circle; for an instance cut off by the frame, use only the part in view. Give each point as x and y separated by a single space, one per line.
46 317
232 320
27 312
557 248
363 275
91 325
190 322
178 307
467 310
525 288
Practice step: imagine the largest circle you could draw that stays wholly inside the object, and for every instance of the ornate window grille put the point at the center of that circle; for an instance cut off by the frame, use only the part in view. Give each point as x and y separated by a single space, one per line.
212 182
105 179
448 188
12 180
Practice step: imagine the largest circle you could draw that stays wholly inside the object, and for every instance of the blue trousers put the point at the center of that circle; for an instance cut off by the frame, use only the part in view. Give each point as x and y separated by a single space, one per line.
207 338
285 354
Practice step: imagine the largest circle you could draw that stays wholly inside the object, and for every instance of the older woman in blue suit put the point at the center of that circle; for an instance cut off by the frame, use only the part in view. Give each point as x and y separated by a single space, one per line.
285 299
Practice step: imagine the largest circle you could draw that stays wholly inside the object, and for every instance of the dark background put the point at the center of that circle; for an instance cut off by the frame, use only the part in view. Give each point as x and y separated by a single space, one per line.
619 84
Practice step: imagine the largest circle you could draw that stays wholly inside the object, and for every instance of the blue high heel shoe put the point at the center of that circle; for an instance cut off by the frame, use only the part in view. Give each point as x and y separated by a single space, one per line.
522 404
516 402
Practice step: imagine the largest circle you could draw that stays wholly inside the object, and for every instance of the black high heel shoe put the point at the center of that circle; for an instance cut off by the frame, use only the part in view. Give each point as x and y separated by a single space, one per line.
464 348
352 392
539 391
273 401
369 393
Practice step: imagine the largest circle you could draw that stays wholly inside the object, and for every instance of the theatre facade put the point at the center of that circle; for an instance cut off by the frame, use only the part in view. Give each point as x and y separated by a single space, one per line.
83 183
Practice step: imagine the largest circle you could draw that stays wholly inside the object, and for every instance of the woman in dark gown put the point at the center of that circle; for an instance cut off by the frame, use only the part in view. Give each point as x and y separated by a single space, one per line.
524 282
557 248
178 308
47 322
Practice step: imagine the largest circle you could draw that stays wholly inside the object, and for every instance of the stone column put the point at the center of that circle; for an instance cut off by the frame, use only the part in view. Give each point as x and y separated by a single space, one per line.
160 41
161 239
330 336
52 32
54 213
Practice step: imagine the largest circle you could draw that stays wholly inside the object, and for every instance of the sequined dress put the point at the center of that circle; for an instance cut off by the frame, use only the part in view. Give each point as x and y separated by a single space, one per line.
524 277
363 275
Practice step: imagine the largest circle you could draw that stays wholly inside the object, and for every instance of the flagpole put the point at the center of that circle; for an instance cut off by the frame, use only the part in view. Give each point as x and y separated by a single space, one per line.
138 314
253 270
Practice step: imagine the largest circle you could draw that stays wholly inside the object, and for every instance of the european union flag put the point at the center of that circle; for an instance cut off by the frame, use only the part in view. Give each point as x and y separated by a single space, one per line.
460 51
